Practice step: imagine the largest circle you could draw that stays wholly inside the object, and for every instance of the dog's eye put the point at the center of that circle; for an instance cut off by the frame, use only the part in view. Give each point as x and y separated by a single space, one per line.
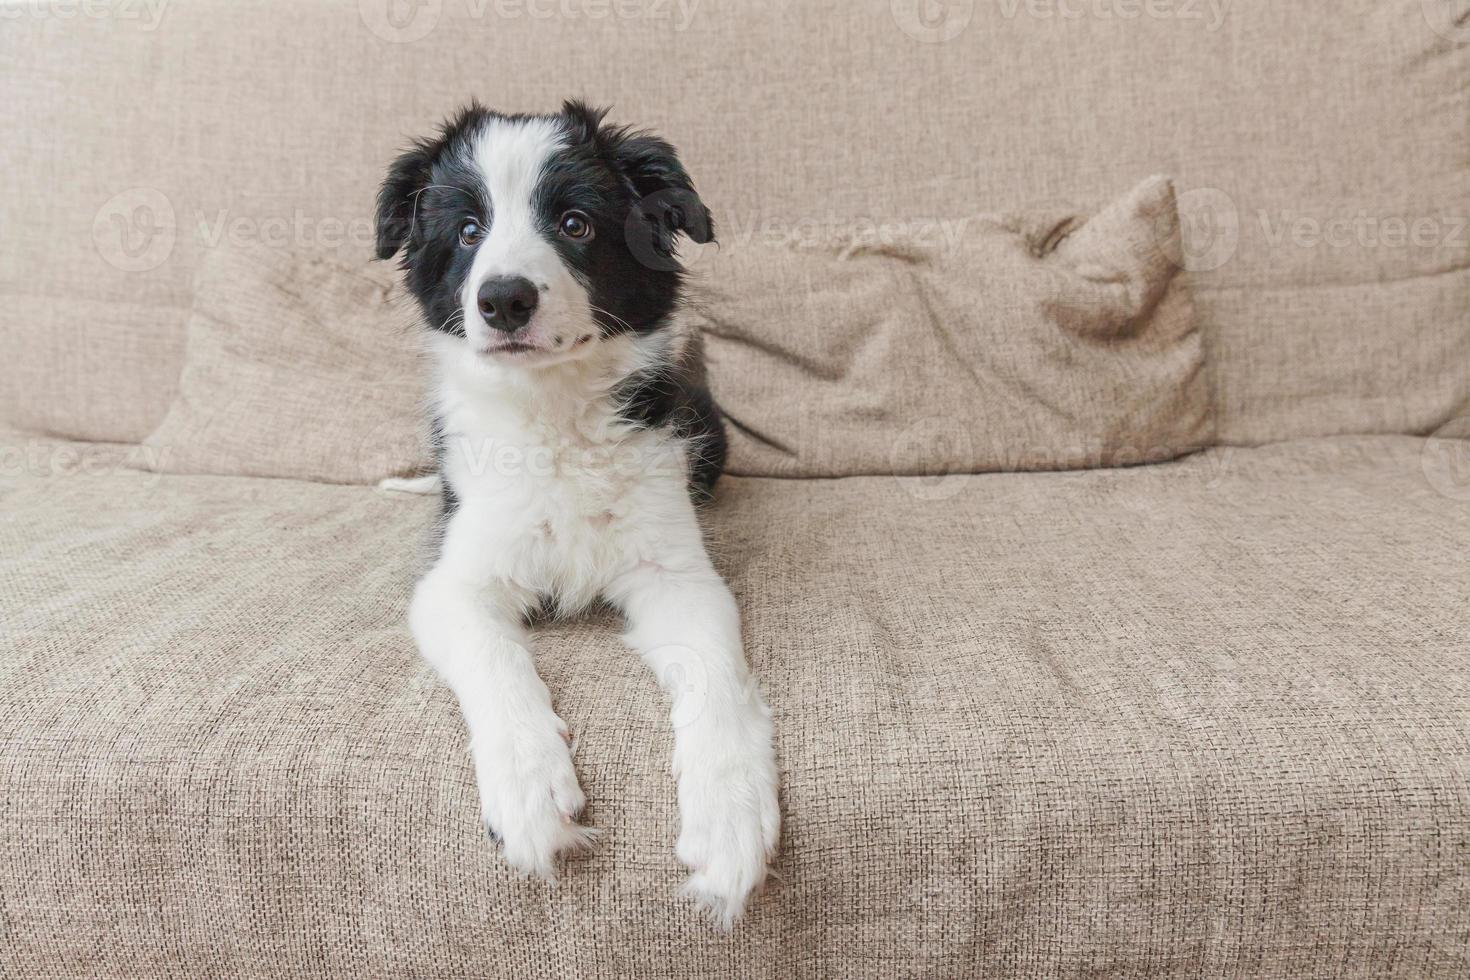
574 224
469 232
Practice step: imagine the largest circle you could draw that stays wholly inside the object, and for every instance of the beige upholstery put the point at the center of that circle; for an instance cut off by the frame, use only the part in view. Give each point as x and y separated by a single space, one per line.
299 366
1040 341
1206 718
1014 343
1309 141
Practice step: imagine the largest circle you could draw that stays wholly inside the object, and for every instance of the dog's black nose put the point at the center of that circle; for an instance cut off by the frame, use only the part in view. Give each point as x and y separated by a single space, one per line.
507 302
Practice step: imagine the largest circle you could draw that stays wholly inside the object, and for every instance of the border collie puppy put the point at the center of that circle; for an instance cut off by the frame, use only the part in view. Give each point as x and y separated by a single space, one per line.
575 435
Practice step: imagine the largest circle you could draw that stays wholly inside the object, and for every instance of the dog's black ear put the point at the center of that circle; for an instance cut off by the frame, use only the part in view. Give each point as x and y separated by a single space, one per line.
408 175
411 173
666 199
667 195
585 121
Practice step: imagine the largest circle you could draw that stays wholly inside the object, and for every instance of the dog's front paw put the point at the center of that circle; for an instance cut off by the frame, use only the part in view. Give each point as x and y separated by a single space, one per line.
731 821
529 796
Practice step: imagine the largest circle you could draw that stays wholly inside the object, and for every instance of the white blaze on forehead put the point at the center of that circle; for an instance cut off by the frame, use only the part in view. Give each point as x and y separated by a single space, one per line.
511 156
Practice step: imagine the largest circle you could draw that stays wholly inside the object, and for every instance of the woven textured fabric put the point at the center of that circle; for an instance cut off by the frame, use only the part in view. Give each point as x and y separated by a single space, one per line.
1040 341
1319 151
1207 718
1020 343
299 366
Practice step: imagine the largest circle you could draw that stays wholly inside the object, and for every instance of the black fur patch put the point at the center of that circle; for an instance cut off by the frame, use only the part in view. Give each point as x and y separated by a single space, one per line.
676 396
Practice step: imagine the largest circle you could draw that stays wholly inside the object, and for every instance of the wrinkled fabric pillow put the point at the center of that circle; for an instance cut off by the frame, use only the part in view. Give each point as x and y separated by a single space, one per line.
1031 342
300 366
1023 342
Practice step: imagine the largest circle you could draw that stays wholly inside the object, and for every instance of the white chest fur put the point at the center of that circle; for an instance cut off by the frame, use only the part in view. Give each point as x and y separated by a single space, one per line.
558 497
560 493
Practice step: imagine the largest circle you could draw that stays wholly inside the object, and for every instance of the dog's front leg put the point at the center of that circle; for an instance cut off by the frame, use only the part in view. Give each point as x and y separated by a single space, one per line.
469 628
683 621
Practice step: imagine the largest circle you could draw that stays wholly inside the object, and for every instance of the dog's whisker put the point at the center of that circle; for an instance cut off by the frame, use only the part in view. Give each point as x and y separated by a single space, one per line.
413 218
613 316
442 187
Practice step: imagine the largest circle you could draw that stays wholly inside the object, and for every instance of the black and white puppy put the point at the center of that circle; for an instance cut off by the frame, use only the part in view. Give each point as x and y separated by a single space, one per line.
575 435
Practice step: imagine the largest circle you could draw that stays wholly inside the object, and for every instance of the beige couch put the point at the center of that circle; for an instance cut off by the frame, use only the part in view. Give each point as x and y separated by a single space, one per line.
1203 718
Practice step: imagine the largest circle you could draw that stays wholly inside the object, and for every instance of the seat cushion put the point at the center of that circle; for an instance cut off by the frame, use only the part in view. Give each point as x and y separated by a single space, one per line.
1207 718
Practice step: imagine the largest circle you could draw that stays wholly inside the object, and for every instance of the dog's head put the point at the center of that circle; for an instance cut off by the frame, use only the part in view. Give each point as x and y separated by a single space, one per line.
536 238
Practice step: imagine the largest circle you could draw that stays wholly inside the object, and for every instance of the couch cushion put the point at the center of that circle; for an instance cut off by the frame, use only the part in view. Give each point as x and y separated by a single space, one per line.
300 366
1309 142
1021 342
1041 341
1208 718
